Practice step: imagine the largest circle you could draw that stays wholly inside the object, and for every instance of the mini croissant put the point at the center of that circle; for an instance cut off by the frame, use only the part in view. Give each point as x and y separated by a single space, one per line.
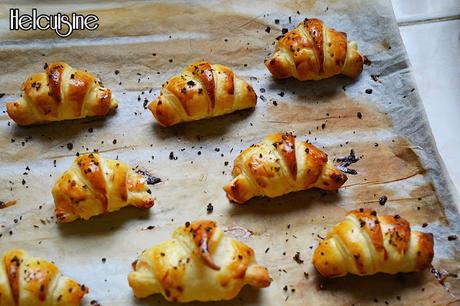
60 93
279 165
199 264
201 91
365 244
95 185
312 51
27 281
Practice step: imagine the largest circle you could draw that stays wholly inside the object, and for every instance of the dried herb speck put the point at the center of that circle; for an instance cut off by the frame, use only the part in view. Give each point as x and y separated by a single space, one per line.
297 258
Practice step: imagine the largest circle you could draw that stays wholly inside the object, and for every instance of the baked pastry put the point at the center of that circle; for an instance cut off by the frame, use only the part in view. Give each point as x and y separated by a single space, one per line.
313 51
27 281
201 91
365 244
279 165
95 185
200 263
60 93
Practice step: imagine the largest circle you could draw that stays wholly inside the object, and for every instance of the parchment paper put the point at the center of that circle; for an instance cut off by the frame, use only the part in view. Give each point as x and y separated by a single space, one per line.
147 42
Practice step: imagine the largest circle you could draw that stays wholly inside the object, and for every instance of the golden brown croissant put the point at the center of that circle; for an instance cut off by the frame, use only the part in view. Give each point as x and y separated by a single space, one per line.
27 281
365 244
312 51
95 185
201 91
279 165
200 263
60 93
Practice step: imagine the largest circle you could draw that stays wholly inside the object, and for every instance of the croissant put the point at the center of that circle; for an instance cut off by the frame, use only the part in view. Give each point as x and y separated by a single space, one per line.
60 93
365 244
312 51
199 264
27 281
201 91
279 165
95 185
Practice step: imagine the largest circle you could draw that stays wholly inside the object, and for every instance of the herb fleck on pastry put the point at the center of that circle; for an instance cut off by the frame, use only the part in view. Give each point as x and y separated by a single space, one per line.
201 91
95 185
27 280
365 244
60 93
279 165
199 263
313 51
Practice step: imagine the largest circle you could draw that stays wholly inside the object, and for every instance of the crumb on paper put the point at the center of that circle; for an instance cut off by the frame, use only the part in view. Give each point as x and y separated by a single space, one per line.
7 204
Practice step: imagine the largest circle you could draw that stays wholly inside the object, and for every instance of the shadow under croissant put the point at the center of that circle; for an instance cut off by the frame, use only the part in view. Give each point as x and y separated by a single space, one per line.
311 90
289 202
248 295
213 127
381 286
61 130
103 224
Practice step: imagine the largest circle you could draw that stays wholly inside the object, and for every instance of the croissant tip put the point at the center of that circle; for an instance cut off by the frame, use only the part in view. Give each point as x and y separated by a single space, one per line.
16 113
231 190
258 276
340 178
277 67
149 203
151 105
10 109
113 104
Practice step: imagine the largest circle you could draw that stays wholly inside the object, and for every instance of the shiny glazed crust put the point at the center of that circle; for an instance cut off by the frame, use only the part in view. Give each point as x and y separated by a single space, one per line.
199 264
201 91
26 280
366 244
96 185
60 93
312 51
279 165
